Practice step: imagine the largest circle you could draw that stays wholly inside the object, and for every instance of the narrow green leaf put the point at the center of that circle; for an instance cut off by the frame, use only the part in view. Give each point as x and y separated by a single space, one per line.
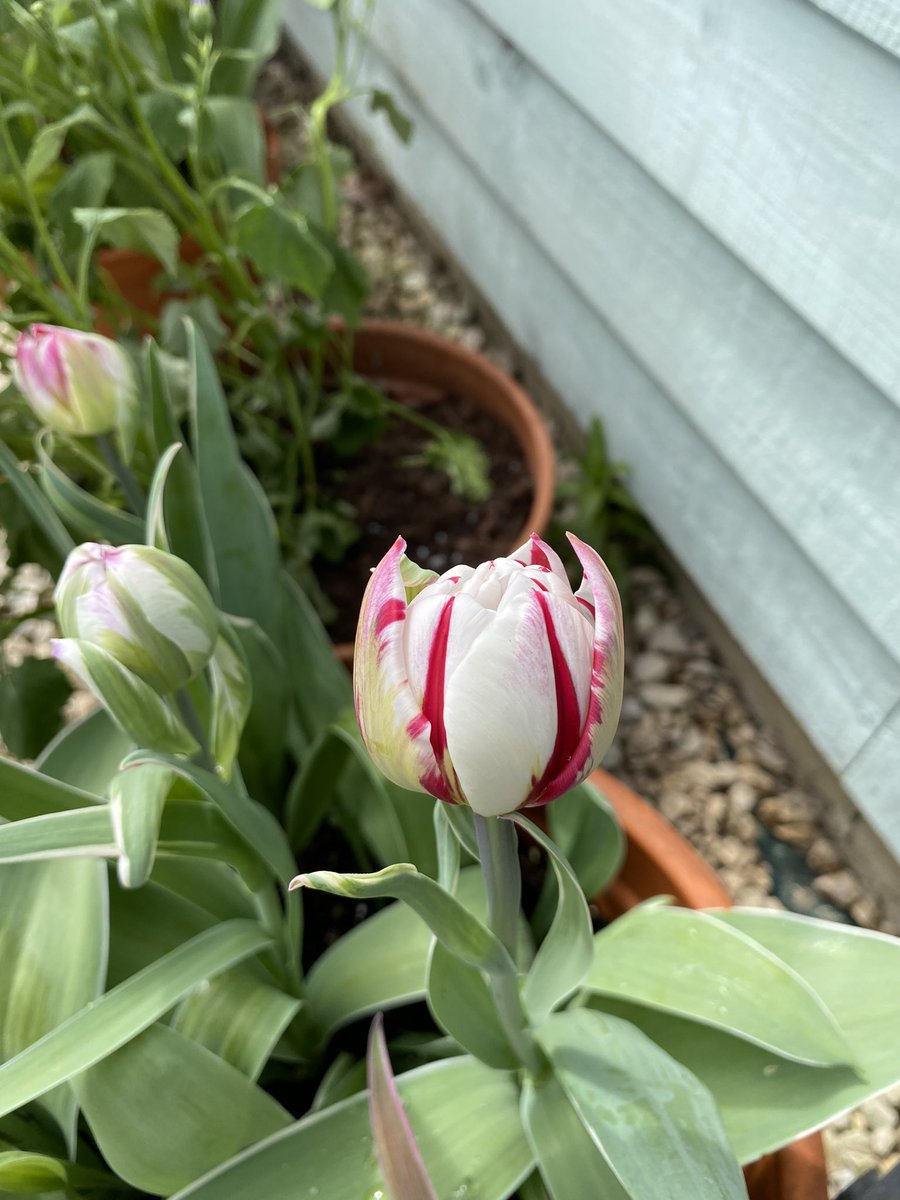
396 1147
44 150
363 801
36 504
53 947
164 1110
255 824
241 526
21 1171
313 788
155 533
381 101
462 934
231 697
694 965
185 521
461 1003
570 1163
262 747
478 1142
136 802
447 848
652 1120
26 792
81 832
96 1031
231 129
309 654
565 955
584 826
88 516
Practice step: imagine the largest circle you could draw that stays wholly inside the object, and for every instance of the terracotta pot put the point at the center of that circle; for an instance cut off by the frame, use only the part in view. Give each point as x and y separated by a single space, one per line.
135 275
391 350
659 861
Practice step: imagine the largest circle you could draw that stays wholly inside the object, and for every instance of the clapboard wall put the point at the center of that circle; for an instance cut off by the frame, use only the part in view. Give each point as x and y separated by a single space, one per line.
688 212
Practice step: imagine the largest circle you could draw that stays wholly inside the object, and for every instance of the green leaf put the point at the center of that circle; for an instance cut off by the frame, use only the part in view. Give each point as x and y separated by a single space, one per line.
32 696
240 521
309 654
88 516
26 792
251 27
584 826
164 1110
565 955
231 129
185 521
477 1141
461 1003
53 946
653 1121
86 755
155 533
44 150
85 184
139 711
348 287
380 963
231 697
116 1017
381 101
136 802
262 747
80 833
570 1163
450 922
240 1016
147 229
364 801
396 1147
255 824
35 504
691 964
21 1171
282 247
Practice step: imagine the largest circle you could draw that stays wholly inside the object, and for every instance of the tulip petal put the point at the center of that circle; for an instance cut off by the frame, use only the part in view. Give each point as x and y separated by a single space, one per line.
501 705
536 553
607 672
392 724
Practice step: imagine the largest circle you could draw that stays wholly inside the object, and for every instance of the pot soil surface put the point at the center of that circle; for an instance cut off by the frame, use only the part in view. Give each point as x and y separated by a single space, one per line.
392 497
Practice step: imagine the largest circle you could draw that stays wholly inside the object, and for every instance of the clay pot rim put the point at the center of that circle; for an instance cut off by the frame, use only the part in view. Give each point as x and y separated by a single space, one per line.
797 1171
522 417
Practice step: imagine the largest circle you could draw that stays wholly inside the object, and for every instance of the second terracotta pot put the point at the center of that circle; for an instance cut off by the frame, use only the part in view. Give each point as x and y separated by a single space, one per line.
390 351
659 861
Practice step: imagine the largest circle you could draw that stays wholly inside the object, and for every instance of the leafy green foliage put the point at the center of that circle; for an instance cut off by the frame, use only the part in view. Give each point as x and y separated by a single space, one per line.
32 696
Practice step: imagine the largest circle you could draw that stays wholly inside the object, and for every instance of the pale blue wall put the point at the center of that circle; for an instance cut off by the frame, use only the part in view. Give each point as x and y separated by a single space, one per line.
688 212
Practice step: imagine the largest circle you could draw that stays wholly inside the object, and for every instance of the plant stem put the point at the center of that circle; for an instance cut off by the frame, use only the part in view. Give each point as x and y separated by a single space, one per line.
127 481
499 854
191 717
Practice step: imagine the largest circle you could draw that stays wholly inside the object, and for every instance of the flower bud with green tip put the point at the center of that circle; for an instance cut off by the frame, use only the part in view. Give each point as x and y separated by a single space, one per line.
147 609
77 383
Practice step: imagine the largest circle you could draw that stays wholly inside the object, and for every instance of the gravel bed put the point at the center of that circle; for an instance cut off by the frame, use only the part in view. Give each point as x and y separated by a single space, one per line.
688 741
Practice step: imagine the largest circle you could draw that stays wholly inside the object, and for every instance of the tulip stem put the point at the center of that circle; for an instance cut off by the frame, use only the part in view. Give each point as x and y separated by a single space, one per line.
498 849
195 725
126 480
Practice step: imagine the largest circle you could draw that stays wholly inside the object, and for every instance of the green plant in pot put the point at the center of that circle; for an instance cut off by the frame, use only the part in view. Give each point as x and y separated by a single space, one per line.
178 1020
137 188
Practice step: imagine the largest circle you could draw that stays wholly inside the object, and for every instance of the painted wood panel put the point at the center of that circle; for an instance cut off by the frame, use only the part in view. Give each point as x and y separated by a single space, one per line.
874 779
774 124
817 444
833 674
878 20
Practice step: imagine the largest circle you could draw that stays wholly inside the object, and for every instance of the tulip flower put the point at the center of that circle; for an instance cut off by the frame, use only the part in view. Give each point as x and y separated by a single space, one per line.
77 383
147 609
495 686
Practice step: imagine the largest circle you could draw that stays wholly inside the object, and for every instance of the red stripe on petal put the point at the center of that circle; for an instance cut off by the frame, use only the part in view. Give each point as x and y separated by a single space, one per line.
392 610
538 557
587 604
433 697
568 719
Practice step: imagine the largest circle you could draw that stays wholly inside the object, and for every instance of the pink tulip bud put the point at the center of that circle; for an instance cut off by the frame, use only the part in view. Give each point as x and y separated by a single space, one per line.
495 686
77 383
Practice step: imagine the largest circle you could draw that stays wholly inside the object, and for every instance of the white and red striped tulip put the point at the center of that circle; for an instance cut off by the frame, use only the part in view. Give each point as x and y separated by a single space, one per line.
77 383
495 686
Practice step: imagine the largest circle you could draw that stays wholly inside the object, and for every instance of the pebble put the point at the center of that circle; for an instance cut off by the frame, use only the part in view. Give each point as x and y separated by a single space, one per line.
651 667
665 695
840 887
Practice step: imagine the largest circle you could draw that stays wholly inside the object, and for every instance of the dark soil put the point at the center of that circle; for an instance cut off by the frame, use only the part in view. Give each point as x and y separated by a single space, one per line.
441 529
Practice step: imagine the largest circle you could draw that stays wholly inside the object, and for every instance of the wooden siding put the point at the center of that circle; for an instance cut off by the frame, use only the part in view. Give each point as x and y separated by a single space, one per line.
768 459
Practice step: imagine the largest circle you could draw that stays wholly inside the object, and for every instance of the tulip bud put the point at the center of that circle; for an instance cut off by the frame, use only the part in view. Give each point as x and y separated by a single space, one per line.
496 686
147 609
77 383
